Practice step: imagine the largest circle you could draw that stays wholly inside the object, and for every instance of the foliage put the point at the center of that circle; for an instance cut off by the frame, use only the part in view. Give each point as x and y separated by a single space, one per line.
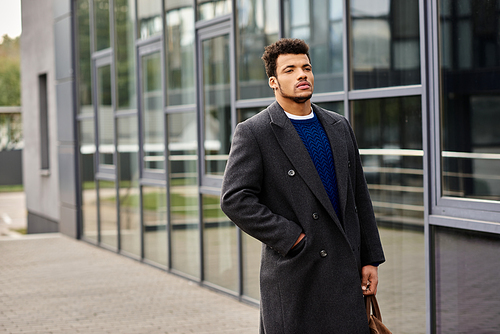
10 72
9 188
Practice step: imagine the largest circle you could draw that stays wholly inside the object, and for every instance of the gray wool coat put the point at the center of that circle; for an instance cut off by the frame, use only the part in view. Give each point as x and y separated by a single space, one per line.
272 191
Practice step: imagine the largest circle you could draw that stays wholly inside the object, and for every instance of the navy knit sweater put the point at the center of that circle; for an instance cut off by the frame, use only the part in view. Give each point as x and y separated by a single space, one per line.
317 144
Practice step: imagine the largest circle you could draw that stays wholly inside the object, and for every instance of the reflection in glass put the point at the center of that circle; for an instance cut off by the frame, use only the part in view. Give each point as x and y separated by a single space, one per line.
220 252
89 193
149 18
251 250
210 9
152 110
385 43
216 103
105 119
84 60
319 23
101 24
466 276
179 43
125 54
337 106
107 214
257 28
154 215
128 188
183 191
389 136
244 114
470 98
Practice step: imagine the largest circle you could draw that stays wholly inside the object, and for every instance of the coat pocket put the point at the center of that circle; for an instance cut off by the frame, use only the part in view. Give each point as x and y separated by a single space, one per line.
297 249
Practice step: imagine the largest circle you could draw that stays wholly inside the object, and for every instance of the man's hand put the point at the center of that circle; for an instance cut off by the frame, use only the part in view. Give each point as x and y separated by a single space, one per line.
369 280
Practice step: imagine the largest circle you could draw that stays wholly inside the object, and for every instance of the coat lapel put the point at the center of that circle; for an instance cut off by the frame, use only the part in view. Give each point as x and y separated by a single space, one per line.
296 152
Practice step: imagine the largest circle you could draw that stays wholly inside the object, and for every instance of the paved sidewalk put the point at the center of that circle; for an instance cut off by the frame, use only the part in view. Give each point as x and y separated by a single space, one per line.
54 284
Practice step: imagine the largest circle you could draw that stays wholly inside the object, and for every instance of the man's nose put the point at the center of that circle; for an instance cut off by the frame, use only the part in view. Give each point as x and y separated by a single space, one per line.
302 74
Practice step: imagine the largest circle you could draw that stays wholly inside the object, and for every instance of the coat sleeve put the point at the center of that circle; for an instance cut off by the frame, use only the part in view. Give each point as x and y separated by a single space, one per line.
240 200
371 247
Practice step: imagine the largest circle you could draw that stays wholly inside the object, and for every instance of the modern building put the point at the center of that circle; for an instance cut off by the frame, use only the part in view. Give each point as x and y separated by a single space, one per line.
129 107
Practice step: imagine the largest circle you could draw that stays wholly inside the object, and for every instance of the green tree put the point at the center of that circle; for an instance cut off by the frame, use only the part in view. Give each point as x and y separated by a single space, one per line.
10 72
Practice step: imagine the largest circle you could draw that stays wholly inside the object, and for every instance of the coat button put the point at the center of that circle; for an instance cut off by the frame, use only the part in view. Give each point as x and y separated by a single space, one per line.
356 209
291 172
349 164
315 216
323 253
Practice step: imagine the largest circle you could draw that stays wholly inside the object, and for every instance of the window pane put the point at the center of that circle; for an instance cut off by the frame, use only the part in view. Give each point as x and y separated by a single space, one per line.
89 193
183 183
84 61
154 215
220 252
152 113
466 276
125 54
210 9
108 214
105 116
149 18
319 23
385 43
337 106
128 189
389 135
216 103
470 99
101 24
244 114
179 39
251 249
257 28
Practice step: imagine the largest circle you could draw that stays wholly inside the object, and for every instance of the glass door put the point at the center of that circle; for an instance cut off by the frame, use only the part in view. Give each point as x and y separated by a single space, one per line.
152 119
106 159
153 191
216 102
216 93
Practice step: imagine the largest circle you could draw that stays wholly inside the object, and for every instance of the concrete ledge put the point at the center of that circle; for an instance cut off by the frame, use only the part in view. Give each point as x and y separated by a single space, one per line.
40 224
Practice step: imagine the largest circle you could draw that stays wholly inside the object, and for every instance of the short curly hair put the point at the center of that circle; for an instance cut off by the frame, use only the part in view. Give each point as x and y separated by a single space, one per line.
283 46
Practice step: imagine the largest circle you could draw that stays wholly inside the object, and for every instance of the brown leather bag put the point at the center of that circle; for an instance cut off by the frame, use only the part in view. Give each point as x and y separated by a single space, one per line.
374 316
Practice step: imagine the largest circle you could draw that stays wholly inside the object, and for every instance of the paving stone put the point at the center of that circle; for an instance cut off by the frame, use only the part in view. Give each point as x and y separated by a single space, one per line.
55 284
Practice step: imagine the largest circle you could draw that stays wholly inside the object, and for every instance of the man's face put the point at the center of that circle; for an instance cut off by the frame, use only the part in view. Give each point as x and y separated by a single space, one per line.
294 78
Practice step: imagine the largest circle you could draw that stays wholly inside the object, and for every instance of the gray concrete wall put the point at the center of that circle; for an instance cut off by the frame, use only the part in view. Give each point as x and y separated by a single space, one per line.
37 57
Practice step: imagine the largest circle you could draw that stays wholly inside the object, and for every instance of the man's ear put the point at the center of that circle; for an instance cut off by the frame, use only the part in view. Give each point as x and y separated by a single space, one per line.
273 83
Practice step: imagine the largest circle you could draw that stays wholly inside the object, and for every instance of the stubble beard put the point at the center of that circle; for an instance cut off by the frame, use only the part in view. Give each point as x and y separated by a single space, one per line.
296 99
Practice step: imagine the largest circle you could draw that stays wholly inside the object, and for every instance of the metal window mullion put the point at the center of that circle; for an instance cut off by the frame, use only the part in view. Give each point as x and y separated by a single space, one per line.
166 167
199 116
385 92
346 59
425 45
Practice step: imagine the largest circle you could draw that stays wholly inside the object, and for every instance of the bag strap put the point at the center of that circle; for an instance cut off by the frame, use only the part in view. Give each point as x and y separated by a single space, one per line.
371 303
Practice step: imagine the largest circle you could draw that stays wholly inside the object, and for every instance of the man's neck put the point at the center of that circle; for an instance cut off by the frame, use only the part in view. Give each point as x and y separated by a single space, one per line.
292 107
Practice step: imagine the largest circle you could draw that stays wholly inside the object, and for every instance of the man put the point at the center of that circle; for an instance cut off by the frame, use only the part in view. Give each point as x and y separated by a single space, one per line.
294 181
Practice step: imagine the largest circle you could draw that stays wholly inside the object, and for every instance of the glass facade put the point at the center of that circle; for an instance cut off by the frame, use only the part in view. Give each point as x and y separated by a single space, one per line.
385 43
470 111
162 84
463 263
320 24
